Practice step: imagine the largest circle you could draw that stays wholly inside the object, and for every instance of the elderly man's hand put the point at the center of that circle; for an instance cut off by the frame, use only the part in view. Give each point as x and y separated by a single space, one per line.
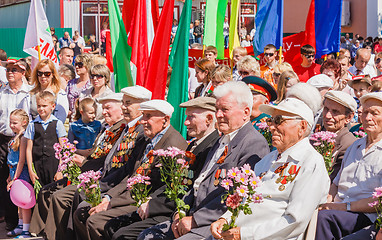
217 227
143 210
174 226
103 206
231 234
185 225
333 206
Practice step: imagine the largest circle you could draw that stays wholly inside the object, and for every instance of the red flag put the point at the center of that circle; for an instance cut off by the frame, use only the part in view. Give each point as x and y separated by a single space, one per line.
109 54
156 76
140 29
310 31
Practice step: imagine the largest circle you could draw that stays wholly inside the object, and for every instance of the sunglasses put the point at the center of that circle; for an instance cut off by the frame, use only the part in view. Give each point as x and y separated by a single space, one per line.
13 70
268 54
243 73
46 74
277 120
79 64
378 60
97 76
309 56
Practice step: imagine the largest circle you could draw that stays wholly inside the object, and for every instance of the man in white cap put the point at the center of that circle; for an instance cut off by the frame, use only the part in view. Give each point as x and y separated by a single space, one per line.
57 223
200 122
347 209
294 177
338 111
322 82
89 222
239 144
14 95
93 159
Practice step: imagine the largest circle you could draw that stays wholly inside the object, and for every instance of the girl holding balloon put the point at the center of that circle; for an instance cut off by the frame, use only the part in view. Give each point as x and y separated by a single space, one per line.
18 174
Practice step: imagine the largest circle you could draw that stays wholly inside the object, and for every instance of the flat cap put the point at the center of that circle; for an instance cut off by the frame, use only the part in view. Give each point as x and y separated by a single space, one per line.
321 81
292 106
373 95
157 105
111 97
137 92
261 86
207 103
342 98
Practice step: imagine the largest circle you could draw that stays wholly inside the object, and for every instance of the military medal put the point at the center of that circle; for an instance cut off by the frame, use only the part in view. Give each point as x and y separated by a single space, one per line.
282 188
217 175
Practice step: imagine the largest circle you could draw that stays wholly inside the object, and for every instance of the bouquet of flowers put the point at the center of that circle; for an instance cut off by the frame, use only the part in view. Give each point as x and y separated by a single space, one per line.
359 134
139 188
264 130
88 181
174 173
323 142
377 204
241 184
67 166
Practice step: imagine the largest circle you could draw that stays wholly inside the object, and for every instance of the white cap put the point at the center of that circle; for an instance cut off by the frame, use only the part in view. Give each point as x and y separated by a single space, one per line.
292 106
321 81
372 95
342 98
306 93
137 92
157 105
111 97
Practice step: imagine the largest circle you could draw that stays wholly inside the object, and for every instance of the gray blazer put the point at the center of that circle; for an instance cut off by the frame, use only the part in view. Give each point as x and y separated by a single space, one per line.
248 146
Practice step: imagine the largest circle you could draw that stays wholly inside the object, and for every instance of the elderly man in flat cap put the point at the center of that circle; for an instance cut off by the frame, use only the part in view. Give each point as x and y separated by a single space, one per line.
294 180
200 124
92 159
347 209
240 143
61 201
338 111
89 222
263 93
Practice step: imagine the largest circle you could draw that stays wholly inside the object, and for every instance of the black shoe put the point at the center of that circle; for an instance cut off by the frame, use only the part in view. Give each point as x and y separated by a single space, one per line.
10 226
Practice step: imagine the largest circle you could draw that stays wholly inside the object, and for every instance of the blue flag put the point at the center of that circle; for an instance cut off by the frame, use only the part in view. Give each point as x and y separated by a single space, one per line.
269 25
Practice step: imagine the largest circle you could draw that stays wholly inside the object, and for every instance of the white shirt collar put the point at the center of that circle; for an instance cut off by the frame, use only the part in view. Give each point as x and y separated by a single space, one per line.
134 121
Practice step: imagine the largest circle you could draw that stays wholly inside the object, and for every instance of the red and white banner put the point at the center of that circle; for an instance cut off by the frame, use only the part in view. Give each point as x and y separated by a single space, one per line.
38 34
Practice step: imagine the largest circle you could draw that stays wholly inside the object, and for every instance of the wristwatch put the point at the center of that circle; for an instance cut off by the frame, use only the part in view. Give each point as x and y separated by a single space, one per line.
348 206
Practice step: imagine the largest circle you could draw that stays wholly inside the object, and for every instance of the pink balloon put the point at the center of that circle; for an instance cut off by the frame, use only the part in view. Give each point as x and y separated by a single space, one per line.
22 194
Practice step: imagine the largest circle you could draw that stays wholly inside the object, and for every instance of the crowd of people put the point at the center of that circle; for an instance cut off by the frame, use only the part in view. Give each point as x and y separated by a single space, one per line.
115 133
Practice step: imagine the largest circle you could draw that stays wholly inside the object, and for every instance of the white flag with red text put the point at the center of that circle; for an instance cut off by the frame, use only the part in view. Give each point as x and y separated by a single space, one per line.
38 33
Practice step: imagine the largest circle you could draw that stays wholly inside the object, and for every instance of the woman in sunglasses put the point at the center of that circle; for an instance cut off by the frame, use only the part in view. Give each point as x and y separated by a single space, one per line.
82 63
45 78
100 81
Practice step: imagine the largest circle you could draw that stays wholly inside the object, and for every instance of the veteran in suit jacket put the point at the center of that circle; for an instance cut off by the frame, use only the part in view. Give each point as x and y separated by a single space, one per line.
294 180
200 122
239 144
58 213
89 224
338 111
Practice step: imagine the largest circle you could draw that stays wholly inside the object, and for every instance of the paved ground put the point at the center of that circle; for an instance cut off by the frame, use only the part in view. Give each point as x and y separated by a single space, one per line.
3 233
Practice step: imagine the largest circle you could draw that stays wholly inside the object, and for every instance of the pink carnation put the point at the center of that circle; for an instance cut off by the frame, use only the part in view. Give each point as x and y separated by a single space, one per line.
262 125
373 204
378 192
233 201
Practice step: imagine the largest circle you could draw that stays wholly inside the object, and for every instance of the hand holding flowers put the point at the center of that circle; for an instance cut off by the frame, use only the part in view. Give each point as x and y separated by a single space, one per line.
138 186
241 184
89 183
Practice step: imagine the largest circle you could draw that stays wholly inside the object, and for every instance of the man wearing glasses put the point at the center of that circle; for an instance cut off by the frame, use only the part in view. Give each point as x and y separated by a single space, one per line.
266 71
308 68
14 95
293 177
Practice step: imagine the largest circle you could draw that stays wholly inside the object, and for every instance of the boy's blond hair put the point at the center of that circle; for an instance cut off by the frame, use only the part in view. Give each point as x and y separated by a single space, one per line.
46 95
212 49
240 50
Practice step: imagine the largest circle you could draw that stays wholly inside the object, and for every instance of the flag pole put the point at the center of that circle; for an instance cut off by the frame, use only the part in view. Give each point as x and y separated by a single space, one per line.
99 27
38 40
280 54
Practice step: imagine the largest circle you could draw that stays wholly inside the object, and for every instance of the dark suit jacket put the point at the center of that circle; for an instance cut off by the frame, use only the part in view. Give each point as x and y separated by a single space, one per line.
248 146
343 140
120 196
159 205
97 164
